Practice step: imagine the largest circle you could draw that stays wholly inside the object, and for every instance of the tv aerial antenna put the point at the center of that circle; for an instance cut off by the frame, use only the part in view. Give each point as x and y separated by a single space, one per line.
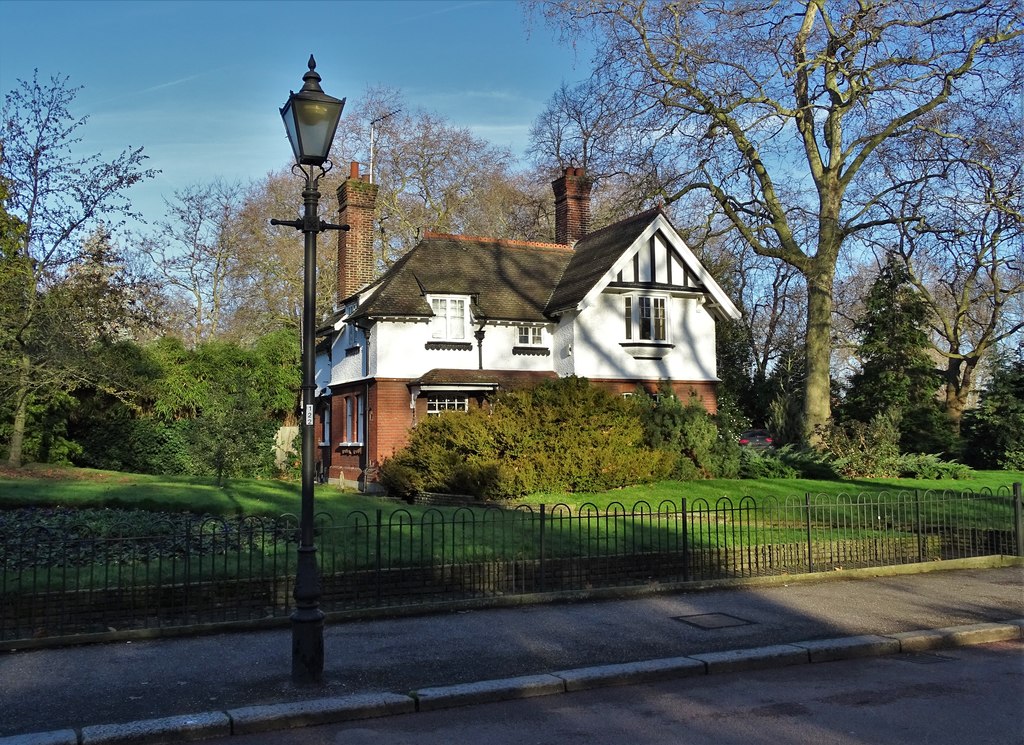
373 135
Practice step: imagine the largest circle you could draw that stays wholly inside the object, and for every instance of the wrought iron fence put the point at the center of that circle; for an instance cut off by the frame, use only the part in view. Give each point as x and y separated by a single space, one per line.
186 570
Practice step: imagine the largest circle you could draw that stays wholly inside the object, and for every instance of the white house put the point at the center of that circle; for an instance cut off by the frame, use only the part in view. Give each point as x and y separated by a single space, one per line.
461 317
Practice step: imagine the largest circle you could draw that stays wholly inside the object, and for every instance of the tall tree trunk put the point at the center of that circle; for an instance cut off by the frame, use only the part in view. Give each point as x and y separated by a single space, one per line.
818 387
959 374
20 412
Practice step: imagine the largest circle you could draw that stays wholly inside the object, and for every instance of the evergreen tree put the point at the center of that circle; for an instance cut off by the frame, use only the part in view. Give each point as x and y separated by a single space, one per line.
896 375
993 431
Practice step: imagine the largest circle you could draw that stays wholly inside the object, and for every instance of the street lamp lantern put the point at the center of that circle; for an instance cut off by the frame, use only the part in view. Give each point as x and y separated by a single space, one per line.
311 119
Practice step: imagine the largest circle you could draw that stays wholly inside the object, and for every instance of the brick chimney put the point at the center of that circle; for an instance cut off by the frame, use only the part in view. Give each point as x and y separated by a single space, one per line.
357 200
572 206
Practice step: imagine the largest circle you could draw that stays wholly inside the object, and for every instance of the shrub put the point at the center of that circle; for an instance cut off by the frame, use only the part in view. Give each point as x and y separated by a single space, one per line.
860 450
871 450
564 436
807 462
929 466
766 465
993 430
400 479
1012 460
696 444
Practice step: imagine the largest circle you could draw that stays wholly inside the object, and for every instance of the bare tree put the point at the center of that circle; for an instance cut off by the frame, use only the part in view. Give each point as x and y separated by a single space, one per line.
782 111
195 251
58 198
267 268
966 253
434 175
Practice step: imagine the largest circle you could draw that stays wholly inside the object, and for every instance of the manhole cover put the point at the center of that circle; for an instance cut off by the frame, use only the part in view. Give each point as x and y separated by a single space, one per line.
712 620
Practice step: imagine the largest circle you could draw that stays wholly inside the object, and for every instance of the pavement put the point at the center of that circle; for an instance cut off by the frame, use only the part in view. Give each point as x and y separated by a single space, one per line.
233 684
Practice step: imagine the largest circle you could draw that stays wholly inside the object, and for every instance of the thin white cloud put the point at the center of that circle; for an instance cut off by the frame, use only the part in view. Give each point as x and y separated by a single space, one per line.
443 11
172 83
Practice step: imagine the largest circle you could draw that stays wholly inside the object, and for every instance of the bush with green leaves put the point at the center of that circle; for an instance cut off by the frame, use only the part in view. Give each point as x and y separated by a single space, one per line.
701 445
209 411
765 465
864 450
872 450
561 436
931 466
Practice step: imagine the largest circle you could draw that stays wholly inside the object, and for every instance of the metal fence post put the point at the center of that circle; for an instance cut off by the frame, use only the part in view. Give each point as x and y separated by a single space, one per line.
1018 519
686 545
810 544
540 569
918 526
377 560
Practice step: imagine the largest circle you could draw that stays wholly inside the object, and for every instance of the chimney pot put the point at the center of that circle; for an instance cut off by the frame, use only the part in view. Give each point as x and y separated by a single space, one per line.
353 169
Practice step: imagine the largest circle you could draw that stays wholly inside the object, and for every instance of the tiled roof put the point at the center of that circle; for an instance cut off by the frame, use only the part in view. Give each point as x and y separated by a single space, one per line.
500 378
593 256
510 280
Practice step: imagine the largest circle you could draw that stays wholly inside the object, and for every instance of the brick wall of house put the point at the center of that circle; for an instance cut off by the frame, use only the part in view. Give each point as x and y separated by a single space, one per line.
389 419
706 391
346 461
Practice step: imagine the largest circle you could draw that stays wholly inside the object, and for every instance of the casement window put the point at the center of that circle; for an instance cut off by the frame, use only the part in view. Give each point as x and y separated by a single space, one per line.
531 336
353 424
451 319
325 424
438 404
645 318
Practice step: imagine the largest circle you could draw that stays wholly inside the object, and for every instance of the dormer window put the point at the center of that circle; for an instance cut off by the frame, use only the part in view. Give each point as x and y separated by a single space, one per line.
451 319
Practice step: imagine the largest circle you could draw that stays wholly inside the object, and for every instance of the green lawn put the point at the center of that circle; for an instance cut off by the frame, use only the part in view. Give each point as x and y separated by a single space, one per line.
715 489
50 486
416 535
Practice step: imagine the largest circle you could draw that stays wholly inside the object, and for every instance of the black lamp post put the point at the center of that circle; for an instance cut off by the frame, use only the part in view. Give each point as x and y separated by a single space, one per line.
311 119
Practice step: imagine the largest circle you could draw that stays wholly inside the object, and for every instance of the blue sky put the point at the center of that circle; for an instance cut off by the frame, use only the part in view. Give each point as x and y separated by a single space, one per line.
199 84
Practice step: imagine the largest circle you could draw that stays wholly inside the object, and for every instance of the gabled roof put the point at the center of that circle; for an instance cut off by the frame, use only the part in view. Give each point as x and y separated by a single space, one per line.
598 256
522 280
509 280
593 256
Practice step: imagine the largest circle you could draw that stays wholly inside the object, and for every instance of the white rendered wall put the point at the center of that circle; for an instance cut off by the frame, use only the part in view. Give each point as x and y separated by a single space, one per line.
600 328
398 350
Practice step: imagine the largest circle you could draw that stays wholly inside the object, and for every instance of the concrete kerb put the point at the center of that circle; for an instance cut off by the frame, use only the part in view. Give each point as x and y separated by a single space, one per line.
959 636
183 728
487 691
249 719
364 706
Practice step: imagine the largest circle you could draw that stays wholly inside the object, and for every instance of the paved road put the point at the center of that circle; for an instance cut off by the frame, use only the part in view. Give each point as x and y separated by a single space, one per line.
967 695
52 689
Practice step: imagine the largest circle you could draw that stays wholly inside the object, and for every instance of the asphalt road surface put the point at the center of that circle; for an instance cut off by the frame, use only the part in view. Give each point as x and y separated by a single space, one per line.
951 697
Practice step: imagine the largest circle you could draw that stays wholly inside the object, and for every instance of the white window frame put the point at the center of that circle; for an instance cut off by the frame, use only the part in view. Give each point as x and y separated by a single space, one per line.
530 336
325 424
353 423
446 325
634 307
439 403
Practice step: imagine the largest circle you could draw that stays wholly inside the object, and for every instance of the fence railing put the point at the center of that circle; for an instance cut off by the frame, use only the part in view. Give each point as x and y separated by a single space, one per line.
185 570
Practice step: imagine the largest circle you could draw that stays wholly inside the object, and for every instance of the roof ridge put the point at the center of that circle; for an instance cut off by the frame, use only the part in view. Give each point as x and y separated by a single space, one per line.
511 242
659 208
